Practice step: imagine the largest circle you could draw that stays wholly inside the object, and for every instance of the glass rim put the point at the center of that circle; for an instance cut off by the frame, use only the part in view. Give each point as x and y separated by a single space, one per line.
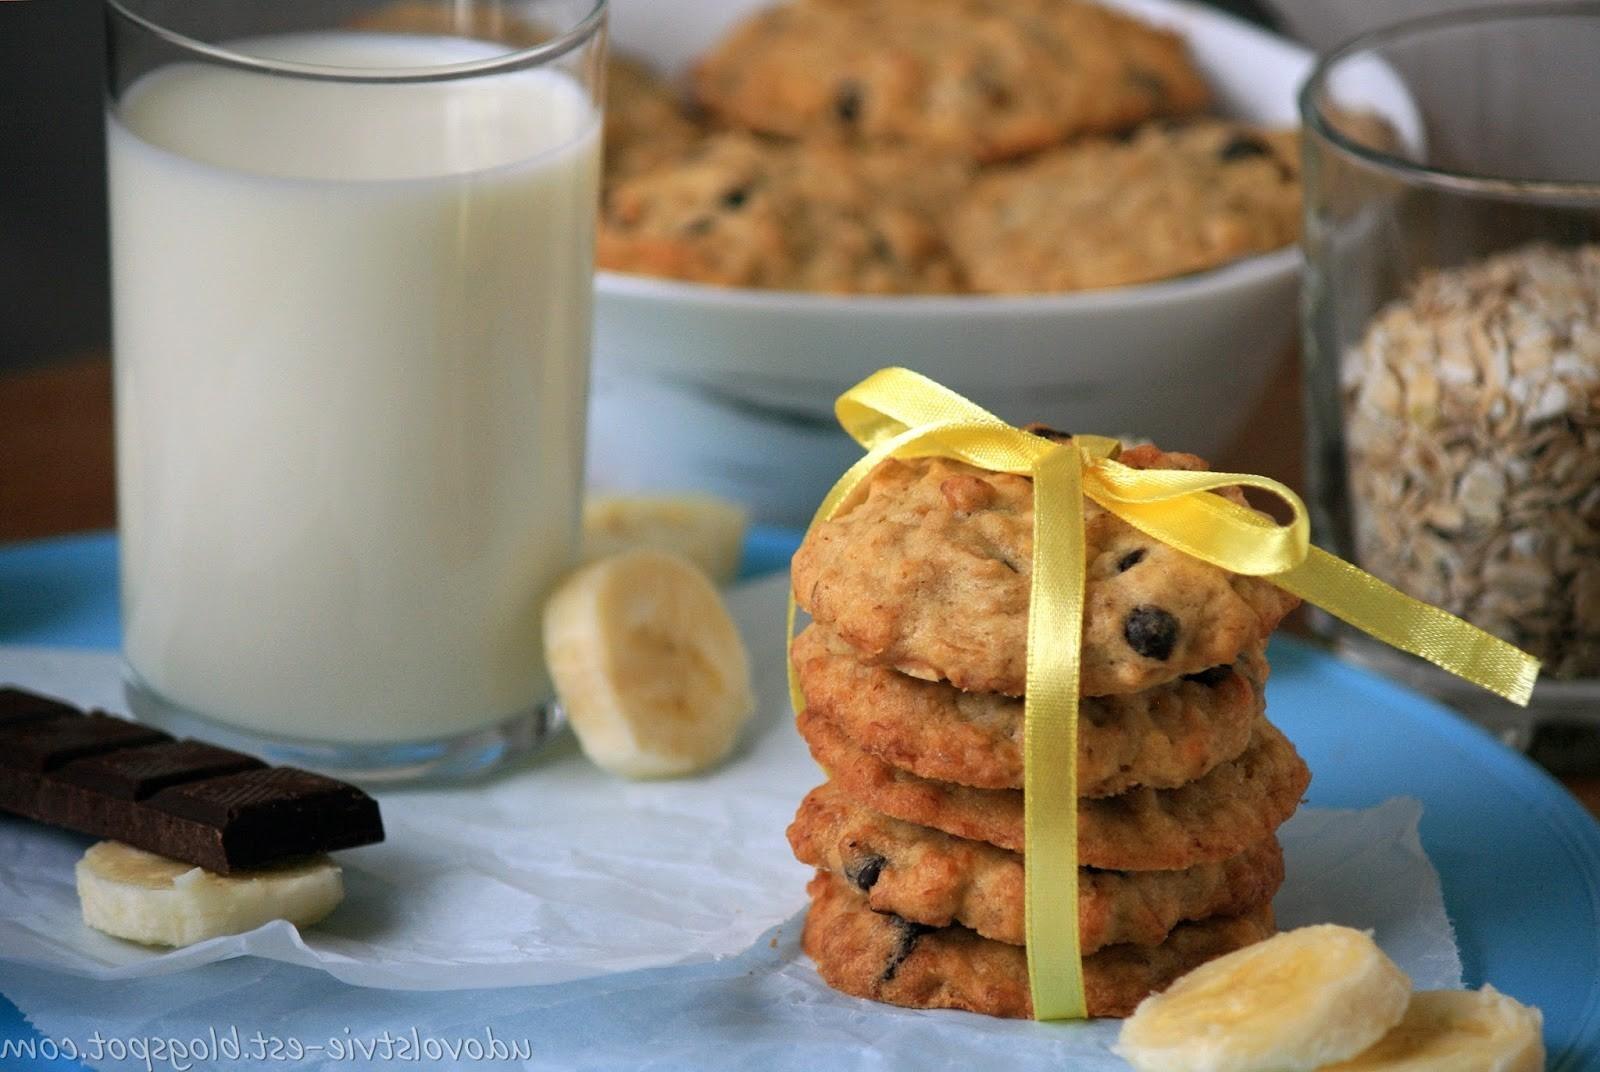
1455 180
516 59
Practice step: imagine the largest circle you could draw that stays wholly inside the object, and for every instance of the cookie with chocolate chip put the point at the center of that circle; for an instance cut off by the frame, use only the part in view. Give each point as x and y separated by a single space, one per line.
1234 806
930 877
890 959
740 211
647 123
1163 737
988 81
926 568
1172 200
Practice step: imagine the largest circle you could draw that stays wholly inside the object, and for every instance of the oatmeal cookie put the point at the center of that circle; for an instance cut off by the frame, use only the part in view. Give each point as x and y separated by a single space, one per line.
889 959
1164 737
647 123
926 568
1236 805
739 211
990 81
930 877
1170 201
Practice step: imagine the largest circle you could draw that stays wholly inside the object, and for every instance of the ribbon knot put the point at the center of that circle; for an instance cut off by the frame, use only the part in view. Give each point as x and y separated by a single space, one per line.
898 413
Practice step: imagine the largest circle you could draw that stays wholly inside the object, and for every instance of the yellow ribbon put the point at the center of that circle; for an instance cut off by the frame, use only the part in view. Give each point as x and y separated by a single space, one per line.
899 413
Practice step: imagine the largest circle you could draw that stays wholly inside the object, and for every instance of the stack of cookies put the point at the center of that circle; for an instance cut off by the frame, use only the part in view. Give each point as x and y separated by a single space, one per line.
912 671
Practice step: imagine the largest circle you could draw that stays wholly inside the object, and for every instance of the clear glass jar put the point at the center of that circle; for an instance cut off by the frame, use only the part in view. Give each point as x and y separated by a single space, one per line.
1452 335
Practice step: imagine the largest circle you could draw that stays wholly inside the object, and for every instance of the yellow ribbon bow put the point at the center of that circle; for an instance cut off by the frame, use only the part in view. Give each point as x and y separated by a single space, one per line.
899 413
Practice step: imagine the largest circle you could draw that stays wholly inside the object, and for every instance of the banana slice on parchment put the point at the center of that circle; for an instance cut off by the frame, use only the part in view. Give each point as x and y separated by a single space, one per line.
706 530
143 897
1296 1002
650 669
1458 1031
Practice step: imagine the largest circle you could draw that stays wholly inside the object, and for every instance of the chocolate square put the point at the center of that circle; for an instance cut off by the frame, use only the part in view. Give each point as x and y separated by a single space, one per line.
44 746
137 773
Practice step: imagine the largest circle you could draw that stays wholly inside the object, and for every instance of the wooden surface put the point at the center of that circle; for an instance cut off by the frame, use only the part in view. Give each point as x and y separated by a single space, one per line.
55 450
1586 787
56 460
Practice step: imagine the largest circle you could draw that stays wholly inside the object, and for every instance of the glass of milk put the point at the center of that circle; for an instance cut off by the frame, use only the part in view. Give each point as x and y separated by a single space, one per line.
352 261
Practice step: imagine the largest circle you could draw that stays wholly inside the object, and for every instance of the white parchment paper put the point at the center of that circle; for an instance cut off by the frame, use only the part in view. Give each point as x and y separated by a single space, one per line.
554 873
612 921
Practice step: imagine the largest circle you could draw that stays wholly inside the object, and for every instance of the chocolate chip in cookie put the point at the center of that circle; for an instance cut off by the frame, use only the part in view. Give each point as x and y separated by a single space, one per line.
864 873
847 102
1149 82
1211 676
1151 631
1044 431
907 936
1243 147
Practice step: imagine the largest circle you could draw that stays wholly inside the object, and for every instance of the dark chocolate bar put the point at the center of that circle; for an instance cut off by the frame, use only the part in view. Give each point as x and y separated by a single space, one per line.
17 706
187 800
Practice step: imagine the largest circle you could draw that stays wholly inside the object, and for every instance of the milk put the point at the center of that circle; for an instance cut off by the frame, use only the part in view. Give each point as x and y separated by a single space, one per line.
351 347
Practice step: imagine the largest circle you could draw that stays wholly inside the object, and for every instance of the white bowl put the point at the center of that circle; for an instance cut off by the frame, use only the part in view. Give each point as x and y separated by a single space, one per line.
731 390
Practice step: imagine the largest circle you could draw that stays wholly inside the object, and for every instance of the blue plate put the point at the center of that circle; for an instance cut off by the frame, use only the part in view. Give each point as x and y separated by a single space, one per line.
1519 858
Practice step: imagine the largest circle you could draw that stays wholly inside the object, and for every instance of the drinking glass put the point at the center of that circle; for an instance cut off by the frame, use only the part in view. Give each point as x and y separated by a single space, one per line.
1452 319
352 273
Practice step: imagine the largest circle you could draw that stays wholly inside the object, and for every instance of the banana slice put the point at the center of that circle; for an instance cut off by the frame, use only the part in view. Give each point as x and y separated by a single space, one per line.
1458 1031
706 530
137 895
650 669
1298 1001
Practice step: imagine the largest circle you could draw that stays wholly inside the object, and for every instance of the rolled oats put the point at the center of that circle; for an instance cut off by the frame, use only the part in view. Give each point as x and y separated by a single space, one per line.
1472 426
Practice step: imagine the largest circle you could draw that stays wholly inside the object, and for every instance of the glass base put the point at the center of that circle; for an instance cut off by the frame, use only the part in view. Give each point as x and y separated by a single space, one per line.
1554 704
444 759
